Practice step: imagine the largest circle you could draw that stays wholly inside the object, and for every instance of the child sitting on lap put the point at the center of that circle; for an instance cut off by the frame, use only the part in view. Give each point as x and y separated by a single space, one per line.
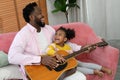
61 37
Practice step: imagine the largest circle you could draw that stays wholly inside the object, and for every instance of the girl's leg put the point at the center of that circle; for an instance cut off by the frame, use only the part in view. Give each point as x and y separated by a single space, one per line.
95 67
90 71
85 70
89 65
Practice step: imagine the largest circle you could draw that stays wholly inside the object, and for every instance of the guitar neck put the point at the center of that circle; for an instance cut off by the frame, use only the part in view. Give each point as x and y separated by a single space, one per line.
99 44
75 53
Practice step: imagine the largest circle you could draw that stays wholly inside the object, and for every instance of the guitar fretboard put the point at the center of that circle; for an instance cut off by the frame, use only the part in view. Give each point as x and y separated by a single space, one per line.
99 44
75 53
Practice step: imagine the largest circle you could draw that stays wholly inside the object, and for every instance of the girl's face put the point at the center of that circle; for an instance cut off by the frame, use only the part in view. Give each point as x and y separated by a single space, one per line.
60 38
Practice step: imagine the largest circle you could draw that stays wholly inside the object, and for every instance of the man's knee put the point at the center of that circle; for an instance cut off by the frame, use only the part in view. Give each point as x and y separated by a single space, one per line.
76 76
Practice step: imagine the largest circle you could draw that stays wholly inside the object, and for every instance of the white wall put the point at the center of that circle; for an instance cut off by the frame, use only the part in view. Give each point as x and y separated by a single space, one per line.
96 15
102 15
54 18
59 17
113 19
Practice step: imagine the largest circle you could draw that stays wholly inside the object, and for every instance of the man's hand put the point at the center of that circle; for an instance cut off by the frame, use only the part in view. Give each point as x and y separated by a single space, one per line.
59 58
49 61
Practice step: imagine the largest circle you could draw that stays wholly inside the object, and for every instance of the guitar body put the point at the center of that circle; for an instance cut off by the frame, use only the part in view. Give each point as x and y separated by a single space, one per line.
41 72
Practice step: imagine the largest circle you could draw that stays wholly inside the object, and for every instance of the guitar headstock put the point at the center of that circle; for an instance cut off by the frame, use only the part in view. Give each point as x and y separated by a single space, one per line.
101 44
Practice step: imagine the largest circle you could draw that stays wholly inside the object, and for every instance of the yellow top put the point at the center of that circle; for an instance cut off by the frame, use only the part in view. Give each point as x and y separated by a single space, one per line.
53 48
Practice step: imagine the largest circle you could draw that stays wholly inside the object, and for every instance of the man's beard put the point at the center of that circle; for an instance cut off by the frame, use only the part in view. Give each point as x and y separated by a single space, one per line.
41 24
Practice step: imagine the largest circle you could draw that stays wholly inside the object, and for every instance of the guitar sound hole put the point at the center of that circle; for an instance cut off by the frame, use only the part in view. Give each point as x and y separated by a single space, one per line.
61 67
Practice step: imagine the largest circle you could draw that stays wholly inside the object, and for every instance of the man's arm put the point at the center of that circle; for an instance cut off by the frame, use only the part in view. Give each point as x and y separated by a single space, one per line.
17 53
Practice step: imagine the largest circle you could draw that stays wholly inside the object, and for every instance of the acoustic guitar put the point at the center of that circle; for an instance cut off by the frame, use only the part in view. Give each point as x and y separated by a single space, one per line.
42 72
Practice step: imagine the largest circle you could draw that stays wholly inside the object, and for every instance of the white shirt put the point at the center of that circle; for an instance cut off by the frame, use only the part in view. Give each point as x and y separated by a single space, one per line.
43 43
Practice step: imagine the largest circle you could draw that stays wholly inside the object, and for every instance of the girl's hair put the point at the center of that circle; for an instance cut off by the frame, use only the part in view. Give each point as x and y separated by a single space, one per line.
70 33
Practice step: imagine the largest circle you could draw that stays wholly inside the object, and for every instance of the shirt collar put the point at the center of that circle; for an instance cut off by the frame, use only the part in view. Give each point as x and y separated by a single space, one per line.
33 29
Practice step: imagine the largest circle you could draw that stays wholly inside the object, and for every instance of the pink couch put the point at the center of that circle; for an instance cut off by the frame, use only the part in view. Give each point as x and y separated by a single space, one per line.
107 56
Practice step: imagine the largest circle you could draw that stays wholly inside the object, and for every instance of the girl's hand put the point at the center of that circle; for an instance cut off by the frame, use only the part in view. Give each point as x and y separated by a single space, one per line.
90 48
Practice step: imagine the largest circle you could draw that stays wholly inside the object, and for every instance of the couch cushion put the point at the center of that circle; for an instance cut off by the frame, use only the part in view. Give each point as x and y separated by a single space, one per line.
6 40
3 59
10 72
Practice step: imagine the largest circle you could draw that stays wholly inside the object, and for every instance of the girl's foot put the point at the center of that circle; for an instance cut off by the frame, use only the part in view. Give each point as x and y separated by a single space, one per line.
99 73
106 70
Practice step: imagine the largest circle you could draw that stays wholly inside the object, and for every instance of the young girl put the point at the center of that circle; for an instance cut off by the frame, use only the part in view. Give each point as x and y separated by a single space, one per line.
61 37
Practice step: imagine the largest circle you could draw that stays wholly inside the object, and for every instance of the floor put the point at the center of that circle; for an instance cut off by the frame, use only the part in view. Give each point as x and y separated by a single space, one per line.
117 77
116 43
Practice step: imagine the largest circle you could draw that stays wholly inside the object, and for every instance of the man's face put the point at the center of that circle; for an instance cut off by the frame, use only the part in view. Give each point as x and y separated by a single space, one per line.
38 17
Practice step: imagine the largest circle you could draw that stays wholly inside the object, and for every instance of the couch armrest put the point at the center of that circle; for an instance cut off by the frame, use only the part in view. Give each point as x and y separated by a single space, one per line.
106 56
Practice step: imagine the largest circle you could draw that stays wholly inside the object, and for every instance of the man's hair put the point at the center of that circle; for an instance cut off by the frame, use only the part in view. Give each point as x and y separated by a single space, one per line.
28 10
70 33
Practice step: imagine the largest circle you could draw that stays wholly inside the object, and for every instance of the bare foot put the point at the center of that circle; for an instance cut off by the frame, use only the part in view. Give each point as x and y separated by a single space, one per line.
106 70
99 73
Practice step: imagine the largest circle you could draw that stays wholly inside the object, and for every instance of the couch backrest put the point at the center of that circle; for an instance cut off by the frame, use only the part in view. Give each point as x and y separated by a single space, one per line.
6 40
84 35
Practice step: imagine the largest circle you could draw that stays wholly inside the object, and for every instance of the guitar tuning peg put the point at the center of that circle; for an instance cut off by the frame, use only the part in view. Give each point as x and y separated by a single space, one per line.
103 40
105 43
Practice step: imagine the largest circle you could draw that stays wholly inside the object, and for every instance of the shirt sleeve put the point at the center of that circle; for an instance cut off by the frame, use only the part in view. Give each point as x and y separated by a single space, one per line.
50 50
68 49
74 46
17 53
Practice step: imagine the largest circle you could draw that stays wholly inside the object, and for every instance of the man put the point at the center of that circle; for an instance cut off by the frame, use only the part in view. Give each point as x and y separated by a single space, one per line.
32 40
